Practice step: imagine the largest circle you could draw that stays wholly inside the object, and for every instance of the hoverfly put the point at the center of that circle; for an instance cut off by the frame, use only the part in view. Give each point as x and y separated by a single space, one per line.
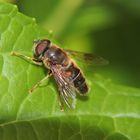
66 73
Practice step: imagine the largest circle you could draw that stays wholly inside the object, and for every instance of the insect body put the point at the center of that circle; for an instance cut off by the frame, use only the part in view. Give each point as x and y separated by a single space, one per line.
67 74
60 65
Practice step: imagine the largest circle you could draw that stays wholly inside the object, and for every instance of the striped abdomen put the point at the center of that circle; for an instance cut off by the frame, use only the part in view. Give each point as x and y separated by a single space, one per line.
77 78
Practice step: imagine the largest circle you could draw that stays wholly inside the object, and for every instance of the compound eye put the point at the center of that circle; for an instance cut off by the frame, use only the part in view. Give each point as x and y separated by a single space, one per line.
41 47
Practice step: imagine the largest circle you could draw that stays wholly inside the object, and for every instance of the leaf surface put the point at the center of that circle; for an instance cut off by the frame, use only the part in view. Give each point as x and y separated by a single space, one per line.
109 112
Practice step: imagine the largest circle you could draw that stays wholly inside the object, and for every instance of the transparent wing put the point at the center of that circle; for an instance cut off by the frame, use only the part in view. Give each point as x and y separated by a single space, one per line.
87 58
66 89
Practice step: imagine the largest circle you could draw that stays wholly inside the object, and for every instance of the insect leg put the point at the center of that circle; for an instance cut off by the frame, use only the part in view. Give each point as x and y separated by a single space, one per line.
30 59
40 82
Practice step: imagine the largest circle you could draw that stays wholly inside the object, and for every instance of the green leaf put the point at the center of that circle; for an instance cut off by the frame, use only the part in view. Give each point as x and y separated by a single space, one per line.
109 112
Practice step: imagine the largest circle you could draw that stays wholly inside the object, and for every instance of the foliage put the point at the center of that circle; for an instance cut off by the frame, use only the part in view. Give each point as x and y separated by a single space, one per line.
109 112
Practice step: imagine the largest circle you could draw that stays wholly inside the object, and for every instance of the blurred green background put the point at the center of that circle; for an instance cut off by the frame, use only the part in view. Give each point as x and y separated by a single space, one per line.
108 28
